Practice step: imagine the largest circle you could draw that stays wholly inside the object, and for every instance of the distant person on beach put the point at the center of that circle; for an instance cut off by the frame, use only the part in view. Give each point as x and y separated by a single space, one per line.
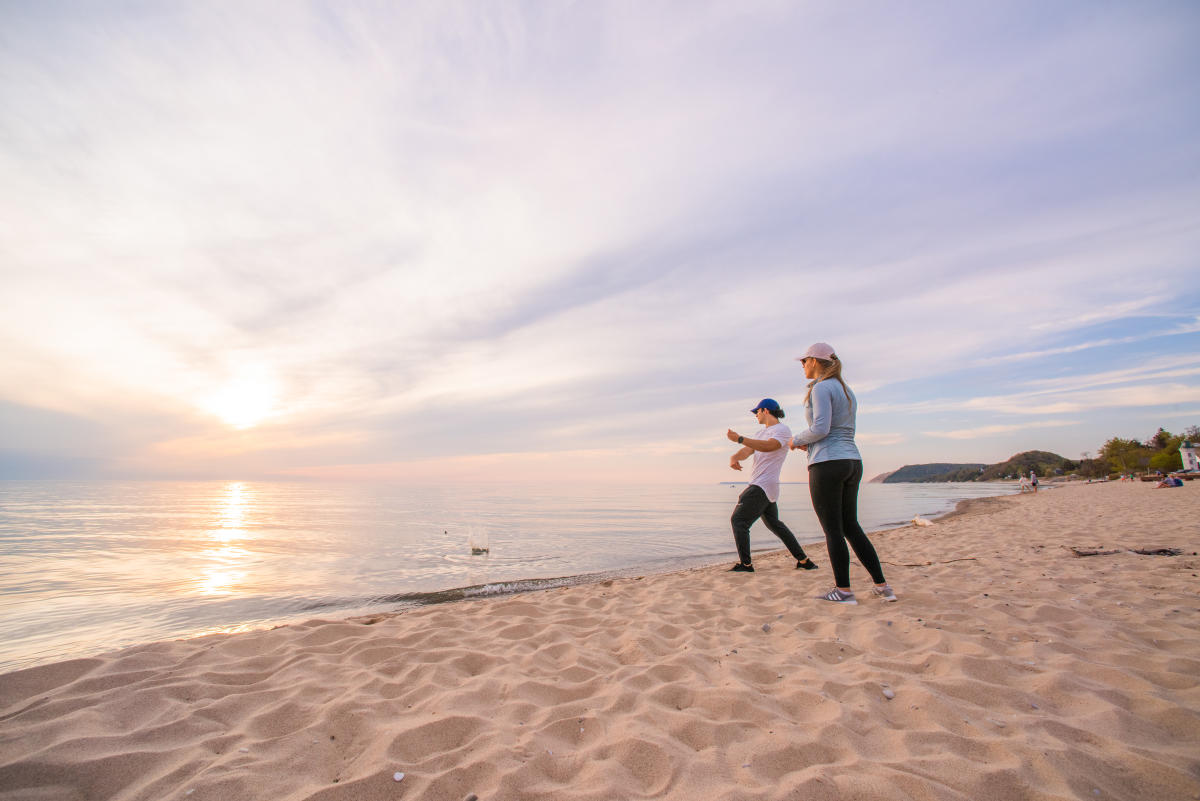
769 447
835 470
1169 481
1033 480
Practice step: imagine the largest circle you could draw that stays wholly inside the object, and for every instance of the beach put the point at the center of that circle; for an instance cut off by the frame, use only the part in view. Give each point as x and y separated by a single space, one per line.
1011 668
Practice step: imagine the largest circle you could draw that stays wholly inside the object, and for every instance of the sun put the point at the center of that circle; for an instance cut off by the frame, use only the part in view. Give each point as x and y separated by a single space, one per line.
244 402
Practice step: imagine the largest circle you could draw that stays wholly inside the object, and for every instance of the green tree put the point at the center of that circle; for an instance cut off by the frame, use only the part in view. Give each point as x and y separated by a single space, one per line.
1161 439
1125 455
1166 455
1166 460
1091 468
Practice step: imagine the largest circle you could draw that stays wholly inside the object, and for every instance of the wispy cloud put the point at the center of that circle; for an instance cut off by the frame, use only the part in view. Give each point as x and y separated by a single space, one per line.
1115 311
880 438
1152 369
993 430
1178 330
1141 396
1128 386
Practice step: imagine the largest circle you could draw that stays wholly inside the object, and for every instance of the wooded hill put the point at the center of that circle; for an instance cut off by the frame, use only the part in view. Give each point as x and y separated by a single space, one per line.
1043 463
1118 456
921 473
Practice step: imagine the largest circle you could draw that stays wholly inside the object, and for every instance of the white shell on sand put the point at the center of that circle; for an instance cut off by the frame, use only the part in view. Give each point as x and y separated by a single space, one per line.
398 776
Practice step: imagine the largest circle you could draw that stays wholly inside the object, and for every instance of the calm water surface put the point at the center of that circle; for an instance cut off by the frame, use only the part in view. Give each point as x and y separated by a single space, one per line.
86 567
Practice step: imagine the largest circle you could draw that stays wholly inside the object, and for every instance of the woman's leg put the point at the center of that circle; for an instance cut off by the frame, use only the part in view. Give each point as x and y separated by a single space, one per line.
770 518
825 481
862 546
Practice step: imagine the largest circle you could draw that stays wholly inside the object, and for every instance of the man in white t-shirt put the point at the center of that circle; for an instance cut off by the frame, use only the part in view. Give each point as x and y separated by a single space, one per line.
769 447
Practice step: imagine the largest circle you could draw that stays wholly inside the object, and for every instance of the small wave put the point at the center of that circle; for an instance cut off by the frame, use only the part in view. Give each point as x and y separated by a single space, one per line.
489 590
517 586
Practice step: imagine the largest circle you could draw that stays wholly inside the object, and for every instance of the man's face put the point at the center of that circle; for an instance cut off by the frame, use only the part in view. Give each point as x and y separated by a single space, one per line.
761 416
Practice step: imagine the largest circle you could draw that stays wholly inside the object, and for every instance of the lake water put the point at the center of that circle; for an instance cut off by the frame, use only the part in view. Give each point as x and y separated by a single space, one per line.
86 567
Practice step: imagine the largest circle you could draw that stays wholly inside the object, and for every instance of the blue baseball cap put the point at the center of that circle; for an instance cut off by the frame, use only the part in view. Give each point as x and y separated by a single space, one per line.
769 404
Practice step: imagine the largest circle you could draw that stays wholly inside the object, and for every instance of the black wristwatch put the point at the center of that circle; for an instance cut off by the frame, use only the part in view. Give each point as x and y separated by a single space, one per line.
740 440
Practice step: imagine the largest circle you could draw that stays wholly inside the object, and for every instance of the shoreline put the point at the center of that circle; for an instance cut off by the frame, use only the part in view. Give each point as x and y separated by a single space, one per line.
351 607
411 601
1010 668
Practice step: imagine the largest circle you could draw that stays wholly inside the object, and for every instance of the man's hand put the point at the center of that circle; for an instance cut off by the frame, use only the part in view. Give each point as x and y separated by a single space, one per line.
734 463
732 435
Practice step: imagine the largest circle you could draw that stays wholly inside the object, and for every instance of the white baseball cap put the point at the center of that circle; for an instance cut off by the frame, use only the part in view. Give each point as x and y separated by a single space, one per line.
819 350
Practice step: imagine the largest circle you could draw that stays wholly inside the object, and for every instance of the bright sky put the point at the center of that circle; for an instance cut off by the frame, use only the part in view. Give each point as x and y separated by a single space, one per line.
442 241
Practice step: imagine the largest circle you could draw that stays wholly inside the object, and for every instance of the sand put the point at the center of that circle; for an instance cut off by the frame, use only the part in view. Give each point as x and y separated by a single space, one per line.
1017 670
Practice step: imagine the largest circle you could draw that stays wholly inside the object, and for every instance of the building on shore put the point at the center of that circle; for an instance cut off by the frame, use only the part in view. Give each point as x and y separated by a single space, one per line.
1189 452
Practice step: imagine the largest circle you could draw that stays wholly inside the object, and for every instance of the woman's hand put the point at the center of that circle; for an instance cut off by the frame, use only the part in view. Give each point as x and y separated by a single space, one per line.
799 446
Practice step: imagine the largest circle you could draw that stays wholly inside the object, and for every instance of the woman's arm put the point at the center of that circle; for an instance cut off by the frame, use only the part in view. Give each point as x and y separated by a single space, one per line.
822 405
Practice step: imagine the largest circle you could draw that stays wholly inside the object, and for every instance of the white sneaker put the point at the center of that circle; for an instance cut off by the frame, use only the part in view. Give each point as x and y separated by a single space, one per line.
884 593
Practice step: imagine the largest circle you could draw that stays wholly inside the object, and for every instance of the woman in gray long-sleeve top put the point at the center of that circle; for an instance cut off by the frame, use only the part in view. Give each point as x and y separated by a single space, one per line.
835 471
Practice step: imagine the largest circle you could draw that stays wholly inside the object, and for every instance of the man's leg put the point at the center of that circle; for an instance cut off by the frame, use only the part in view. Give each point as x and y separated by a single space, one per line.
770 518
750 507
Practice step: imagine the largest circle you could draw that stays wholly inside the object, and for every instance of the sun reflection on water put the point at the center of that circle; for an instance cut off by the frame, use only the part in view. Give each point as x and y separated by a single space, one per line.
223 571
231 516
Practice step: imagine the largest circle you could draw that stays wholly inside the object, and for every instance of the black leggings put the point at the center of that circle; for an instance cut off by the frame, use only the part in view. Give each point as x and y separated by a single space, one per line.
833 486
753 504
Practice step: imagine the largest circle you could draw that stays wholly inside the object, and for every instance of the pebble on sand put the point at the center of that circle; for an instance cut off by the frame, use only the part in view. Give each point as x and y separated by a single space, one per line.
398 776
888 693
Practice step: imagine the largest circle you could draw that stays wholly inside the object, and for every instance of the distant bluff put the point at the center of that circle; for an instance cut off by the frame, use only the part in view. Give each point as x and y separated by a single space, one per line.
1044 463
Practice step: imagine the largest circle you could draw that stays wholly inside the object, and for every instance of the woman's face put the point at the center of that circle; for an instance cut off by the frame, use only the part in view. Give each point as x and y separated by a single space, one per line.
810 368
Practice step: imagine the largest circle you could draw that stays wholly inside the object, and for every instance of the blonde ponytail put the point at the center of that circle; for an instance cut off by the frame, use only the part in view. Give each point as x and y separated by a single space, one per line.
830 368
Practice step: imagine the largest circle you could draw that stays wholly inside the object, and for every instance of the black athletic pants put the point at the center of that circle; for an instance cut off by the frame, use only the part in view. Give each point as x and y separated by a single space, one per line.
833 486
753 504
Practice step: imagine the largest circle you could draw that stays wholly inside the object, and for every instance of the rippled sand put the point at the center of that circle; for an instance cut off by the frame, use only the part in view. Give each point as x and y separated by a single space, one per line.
1018 670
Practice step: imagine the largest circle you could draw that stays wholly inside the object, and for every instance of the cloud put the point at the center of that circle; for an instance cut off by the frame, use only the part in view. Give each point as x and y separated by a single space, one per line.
993 430
1128 386
1142 395
1152 369
1185 328
879 438
1115 311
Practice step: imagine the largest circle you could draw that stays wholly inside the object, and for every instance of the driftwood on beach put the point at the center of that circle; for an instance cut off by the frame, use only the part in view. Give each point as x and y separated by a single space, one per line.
1108 551
1094 551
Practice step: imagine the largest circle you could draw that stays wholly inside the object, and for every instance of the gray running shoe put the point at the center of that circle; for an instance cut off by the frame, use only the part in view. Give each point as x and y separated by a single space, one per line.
884 593
838 597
